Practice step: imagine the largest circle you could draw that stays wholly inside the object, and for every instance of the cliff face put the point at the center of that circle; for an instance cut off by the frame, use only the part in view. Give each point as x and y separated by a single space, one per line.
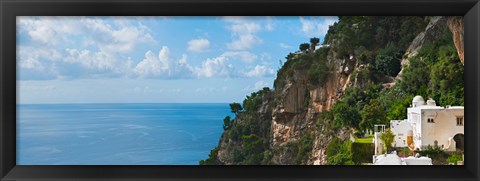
290 112
456 25
302 103
435 28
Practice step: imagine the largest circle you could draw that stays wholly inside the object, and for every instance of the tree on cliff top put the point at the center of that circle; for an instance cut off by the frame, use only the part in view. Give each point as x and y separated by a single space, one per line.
227 123
304 47
314 42
235 108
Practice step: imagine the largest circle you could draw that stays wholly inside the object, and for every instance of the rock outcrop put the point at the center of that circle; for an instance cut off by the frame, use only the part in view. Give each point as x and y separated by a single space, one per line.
435 28
456 25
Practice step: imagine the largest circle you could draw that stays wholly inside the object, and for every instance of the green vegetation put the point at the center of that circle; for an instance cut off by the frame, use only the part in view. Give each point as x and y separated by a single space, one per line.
362 152
404 152
436 153
319 71
454 158
435 72
251 131
304 148
339 152
375 46
235 108
373 33
227 123
212 158
304 47
364 140
373 113
387 138
345 115
314 42
388 60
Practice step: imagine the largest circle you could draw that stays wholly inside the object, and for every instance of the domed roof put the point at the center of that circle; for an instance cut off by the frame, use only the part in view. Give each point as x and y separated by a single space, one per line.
417 101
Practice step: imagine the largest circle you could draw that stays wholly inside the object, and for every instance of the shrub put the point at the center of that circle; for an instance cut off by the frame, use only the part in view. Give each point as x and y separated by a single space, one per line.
362 152
212 158
345 115
436 153
305 145
387 138
339 152
454 158
388 60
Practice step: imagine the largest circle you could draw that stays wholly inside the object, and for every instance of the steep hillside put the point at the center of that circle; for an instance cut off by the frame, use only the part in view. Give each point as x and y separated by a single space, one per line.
322 97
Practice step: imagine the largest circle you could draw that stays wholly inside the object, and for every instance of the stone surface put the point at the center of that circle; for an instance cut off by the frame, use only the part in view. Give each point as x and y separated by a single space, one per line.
456 25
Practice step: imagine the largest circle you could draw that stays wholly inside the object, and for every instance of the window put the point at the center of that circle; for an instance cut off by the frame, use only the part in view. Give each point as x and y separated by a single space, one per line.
459 121
430 120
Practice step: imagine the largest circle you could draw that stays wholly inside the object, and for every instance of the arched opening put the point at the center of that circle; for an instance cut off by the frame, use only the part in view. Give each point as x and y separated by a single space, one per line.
459 141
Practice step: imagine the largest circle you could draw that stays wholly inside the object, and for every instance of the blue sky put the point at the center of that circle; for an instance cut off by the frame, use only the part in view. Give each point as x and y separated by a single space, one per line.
154 59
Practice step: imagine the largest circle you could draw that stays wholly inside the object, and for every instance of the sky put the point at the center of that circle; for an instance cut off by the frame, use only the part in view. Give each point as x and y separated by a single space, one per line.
154 59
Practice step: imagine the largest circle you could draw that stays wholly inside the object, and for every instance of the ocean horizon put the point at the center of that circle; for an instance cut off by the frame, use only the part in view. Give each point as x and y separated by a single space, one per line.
118 133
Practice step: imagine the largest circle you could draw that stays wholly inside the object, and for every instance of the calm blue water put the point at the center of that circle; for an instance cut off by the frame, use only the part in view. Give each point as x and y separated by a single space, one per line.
118 134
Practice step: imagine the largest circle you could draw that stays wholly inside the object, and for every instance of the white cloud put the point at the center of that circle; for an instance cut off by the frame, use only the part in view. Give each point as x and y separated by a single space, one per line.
96 47
244 42
244 56
245 28
244 35
92 60
48 30
259 71
121 35
214 67
211 89
32 58
283 45
234 19
163 66
142 90
69 47
257 86
38 87
198 45
121 38
260 85
269 26
316 26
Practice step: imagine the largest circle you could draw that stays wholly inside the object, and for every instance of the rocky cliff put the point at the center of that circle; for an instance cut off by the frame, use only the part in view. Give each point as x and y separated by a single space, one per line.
284 128
456 25
436 27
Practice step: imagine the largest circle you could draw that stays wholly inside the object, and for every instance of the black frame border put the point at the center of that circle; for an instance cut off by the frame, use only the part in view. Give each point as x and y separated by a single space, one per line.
9 9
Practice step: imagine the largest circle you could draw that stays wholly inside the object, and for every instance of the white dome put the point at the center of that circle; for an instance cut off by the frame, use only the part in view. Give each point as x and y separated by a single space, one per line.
418 101
431 102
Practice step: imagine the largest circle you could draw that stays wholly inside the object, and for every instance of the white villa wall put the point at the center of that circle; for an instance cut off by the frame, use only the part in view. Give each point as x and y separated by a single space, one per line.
415 119
400 128
441 130
447 128
425 133
428 129
378 143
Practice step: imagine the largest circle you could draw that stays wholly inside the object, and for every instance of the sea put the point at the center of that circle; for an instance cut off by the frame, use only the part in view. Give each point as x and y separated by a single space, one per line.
118 134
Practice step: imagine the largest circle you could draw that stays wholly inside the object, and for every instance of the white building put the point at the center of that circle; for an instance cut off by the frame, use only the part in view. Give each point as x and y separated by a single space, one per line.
394 159
429 124
401 128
